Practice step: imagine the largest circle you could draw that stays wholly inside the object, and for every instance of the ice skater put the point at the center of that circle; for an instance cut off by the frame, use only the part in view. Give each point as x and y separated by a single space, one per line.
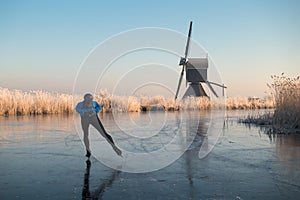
88 110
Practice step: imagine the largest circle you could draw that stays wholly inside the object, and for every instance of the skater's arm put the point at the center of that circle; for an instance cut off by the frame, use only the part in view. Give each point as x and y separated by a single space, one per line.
97 107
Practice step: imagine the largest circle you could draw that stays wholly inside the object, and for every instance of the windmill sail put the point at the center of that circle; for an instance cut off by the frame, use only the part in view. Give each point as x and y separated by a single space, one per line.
183 60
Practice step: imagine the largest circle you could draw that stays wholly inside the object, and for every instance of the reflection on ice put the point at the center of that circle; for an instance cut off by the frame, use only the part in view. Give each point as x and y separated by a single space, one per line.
96 194
287 148
26 130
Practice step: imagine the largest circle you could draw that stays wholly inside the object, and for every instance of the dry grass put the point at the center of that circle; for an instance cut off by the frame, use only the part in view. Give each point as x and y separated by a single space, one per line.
286 92
286 118
258 119
16 102
243 103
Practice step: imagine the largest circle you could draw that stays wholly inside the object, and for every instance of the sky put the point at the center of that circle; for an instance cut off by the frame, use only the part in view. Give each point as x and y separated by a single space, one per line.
43 43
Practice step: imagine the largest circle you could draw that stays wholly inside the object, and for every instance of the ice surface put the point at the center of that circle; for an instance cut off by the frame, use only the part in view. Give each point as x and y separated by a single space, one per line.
43 158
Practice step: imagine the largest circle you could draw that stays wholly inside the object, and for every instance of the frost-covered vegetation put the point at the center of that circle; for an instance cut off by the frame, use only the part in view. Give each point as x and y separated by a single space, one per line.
17 102
286 116
286 93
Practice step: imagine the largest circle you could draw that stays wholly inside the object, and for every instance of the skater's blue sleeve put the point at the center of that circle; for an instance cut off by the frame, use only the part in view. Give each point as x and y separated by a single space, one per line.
79 108
97 107
82 110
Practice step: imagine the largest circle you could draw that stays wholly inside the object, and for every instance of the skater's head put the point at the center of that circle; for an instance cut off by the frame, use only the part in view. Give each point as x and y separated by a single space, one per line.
88 97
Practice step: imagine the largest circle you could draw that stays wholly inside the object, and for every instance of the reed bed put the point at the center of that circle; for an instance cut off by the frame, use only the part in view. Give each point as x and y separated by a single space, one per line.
286 92
17 102
286 117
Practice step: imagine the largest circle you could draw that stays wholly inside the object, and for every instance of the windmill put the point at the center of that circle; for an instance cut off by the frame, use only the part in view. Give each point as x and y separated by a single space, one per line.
196 73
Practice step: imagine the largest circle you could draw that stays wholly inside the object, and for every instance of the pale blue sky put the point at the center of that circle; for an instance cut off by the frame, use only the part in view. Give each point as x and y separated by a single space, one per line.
44 42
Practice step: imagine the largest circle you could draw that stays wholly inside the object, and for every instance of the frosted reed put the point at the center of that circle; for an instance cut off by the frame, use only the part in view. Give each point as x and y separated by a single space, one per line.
17 102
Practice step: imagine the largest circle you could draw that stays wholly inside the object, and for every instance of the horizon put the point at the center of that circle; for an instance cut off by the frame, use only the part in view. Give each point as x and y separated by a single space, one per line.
44 43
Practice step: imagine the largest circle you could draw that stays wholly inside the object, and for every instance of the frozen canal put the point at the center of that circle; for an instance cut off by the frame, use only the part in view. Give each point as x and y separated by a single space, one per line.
43 158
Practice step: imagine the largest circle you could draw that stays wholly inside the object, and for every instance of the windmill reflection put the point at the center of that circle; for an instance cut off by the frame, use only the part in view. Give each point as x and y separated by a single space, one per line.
201 126
97 194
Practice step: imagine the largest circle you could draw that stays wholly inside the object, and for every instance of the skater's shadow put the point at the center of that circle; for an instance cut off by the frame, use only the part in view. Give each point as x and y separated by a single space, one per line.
98 193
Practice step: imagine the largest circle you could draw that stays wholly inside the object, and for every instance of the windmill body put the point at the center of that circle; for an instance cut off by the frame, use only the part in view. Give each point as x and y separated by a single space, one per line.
196 73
